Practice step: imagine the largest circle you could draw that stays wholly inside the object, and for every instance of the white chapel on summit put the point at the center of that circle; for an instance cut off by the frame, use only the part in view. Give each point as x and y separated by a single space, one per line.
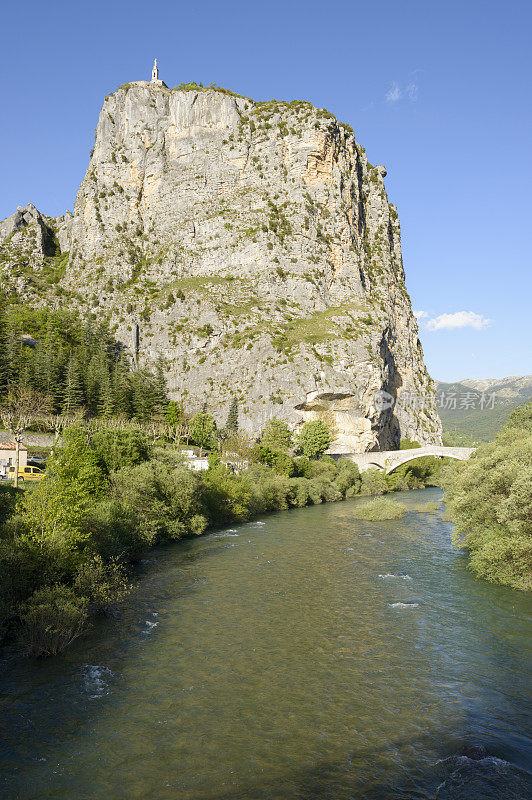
155 75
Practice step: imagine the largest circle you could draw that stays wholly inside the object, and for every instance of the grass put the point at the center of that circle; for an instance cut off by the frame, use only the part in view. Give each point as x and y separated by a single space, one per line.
379 509
427 508
332 323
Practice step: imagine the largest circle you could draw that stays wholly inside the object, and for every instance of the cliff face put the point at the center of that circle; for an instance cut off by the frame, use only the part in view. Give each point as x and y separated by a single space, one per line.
252 246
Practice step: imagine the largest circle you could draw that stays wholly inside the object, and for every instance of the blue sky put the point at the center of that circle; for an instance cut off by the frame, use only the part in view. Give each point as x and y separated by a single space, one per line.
438 92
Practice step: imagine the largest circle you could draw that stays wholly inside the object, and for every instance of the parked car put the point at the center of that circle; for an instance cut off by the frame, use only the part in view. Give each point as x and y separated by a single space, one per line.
27 473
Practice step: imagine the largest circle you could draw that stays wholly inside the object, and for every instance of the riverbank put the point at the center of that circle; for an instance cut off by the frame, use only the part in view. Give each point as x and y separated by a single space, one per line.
302 652
109 496
490 500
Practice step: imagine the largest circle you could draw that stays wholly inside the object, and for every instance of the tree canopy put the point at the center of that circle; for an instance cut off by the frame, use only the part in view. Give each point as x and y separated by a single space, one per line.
76 363
489 498
314 438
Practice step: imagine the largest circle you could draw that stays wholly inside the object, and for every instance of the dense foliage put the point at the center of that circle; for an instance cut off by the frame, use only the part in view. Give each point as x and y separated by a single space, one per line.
314 438
489 498
106 496
109 493
76 363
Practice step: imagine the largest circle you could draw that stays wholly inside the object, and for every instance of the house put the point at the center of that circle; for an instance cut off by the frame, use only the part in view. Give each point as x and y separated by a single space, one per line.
8 454
198 464
192 461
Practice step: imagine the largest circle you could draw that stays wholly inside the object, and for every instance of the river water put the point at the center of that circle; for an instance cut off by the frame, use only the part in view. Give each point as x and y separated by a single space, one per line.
304 655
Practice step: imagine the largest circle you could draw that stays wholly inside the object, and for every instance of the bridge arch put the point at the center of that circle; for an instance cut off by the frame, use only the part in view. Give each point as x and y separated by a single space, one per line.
388 460
401 457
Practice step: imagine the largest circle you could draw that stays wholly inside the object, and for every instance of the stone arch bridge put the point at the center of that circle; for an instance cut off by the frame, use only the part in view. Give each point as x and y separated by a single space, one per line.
388 460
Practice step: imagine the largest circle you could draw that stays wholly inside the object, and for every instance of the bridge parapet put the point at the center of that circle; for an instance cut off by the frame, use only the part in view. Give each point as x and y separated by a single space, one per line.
388 460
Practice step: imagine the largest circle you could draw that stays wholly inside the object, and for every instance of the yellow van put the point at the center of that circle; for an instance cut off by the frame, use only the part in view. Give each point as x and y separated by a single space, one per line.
27 473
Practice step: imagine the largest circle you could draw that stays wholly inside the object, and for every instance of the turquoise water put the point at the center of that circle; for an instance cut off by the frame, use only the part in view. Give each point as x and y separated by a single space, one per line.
304 655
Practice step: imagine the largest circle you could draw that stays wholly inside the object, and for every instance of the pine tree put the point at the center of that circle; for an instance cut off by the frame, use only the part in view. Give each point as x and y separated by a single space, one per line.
4 360
72 389
49 363
106 400
122 387
231 426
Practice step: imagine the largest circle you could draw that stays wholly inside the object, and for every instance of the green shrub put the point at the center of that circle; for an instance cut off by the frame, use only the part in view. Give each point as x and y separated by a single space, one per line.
348 476
277 434
102 584
314 438
416 474
380 509
489 498
326 489
373 481
8 496
408 444
225 497
120 448
299 495
303 467
269 491
165 500
51 619
283 464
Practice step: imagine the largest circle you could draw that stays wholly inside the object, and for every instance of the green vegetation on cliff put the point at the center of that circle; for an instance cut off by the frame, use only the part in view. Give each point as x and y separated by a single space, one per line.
489 498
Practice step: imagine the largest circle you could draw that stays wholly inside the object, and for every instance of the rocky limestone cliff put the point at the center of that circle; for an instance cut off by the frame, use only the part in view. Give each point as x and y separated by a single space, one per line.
252 246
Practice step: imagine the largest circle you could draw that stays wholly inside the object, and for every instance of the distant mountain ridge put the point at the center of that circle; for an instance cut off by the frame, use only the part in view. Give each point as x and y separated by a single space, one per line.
474 409
514 384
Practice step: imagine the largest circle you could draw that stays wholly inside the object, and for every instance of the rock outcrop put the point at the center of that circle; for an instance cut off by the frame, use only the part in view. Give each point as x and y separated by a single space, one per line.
253 248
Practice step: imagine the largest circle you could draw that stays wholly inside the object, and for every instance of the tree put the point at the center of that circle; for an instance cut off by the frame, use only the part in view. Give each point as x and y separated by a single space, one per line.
408 444
121 385
120 448
232 418
277 434
203 431
177 421
106 404
314 438
489 498
4 363
149 395
173 412
49 358
72 389
240 445
23 407
55 510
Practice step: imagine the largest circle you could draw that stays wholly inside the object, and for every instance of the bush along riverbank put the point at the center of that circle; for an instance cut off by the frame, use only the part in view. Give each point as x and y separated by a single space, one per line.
489 498
67 541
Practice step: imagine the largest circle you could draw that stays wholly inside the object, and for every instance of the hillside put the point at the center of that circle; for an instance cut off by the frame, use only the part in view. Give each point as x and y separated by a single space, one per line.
476 409
250 246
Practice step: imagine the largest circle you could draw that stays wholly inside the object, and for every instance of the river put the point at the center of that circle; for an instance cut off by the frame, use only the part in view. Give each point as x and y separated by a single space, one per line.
303 655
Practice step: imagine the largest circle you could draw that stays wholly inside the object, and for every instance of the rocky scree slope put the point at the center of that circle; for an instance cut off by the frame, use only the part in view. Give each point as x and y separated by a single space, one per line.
252 246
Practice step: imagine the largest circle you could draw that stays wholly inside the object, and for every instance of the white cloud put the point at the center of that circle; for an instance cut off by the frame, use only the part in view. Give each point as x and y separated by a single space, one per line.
412 92
394 94
420 314
460 319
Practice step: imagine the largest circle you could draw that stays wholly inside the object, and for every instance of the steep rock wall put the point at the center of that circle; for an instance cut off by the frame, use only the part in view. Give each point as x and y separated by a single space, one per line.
253 247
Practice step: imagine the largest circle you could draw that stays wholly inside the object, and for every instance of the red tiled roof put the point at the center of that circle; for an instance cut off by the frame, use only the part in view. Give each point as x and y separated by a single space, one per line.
11 446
